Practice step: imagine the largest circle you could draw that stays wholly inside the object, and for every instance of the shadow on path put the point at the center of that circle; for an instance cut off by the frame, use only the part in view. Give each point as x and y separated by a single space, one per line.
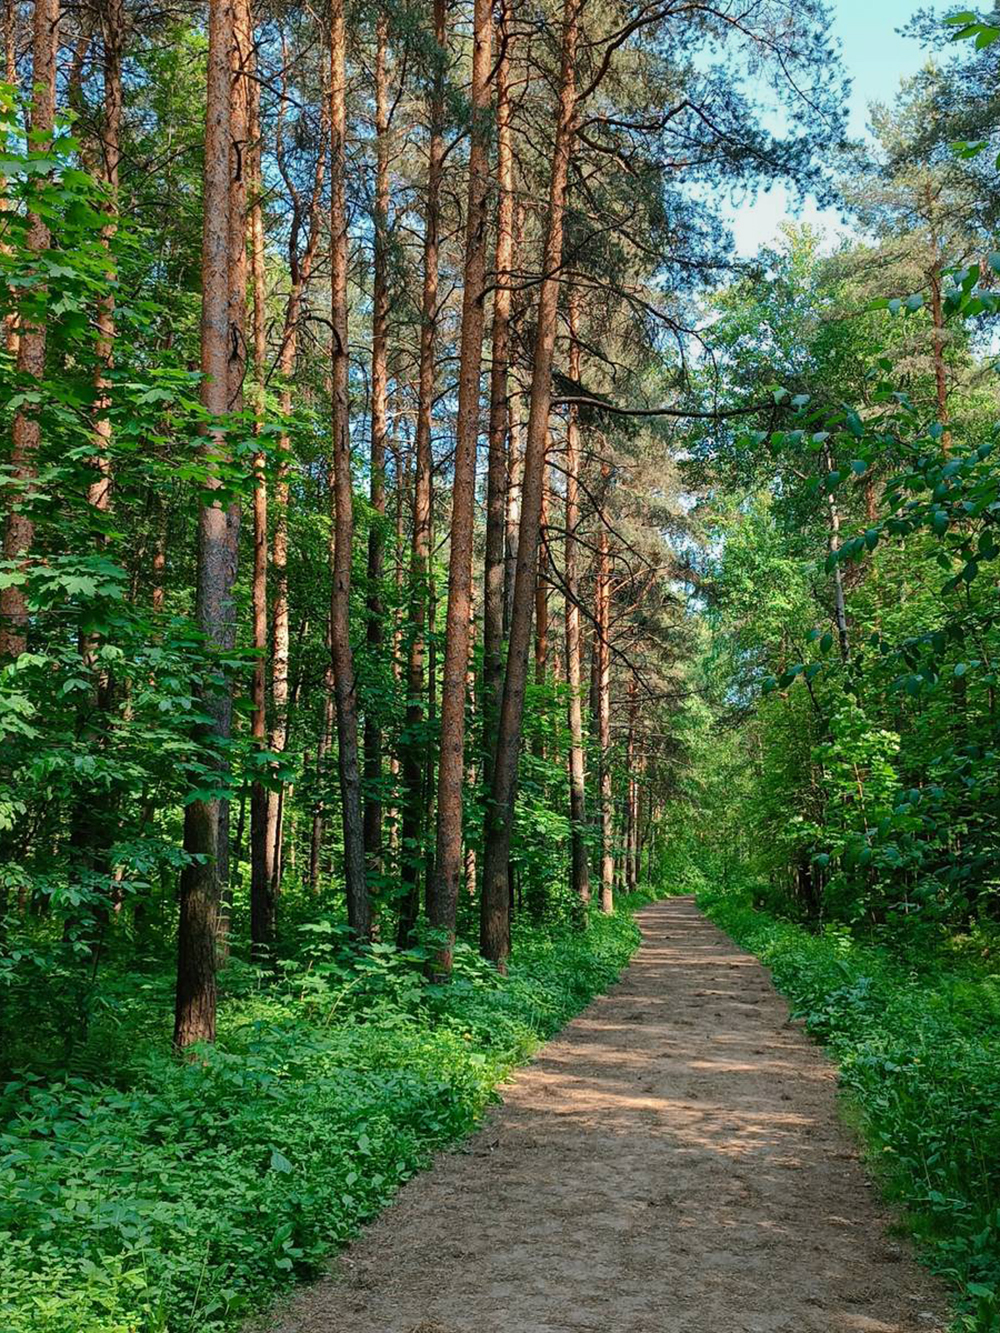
671 1163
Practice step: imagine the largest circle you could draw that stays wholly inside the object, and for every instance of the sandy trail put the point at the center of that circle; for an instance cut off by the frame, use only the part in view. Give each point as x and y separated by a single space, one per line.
671 1163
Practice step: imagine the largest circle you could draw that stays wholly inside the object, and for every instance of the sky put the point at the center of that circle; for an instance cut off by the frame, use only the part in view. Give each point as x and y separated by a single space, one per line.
876 57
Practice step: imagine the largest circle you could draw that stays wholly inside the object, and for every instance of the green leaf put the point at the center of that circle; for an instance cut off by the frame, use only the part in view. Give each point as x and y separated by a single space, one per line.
279 1162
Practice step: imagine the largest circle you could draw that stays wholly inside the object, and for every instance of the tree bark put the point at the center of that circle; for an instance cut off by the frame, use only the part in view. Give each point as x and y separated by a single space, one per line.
603 646
833 545
31 340
443 899
542 591
342 656
496 480
238 174
494 924
416 797
376 540
300 265
194 1014
580 869
112 23
262 902
631 790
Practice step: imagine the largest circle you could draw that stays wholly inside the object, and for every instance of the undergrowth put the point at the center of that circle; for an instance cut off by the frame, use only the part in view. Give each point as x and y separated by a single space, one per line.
916 1033
169 1197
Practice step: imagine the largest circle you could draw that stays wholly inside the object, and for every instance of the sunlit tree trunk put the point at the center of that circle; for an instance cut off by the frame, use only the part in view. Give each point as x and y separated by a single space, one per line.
496 482
603 650
443 898
833 546
19 532
10 10
632 789
238 177
416 796
300 266
494 923
194 1017
379 386
113 35
542 592
262 922
580 870
345 684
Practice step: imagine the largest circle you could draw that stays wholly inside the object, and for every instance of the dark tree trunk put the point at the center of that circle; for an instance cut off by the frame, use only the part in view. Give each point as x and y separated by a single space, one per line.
342 657
415 750
194 1016
580 870
19 532
262 902
494 924
443 898
376 540
496 481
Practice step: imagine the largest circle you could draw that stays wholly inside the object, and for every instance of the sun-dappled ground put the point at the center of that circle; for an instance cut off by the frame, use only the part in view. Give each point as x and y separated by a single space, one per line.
673 1161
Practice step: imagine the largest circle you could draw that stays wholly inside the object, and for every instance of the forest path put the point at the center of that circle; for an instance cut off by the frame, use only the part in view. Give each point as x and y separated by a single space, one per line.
672 1162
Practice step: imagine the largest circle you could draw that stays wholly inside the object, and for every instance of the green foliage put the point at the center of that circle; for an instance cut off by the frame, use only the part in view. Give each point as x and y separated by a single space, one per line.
167 1197
915 1029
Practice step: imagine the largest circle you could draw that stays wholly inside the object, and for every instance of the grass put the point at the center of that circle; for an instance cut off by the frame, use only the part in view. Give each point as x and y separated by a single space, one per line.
915 1030
168 1197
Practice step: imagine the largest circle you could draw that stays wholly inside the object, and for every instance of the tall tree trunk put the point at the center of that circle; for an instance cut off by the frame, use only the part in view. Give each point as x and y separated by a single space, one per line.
631 789
542 590
376 537
194 1016
580 870
496 481
20 529
451 765
494 925
10 14
262 922
603 646
112 23
513 516
300 265
937 324
342 657
415 794
833 545
238 176
319 805
940 370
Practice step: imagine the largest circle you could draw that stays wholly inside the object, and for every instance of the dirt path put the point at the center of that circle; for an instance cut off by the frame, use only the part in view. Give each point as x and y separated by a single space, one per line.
671 1163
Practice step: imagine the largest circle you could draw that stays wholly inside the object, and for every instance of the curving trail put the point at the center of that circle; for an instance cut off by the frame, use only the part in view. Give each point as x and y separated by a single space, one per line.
671 1163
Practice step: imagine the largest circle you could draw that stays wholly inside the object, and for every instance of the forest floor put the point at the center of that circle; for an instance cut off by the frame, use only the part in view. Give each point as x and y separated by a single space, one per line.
673 1162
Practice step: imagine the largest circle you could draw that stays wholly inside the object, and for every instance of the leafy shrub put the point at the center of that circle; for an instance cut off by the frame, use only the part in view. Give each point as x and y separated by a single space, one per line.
175 1197
917 1039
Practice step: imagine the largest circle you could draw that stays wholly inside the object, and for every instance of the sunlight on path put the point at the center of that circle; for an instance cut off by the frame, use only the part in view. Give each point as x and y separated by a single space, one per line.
671 1163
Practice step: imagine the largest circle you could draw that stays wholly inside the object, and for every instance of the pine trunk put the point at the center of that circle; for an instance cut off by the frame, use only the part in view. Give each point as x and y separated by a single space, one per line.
494 922
342 657
496 481
580 870
376 538
603 647
31 339
262 902
194 1015
443 898
416 794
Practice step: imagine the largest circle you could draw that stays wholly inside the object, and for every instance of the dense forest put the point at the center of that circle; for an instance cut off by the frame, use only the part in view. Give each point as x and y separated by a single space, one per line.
424 537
